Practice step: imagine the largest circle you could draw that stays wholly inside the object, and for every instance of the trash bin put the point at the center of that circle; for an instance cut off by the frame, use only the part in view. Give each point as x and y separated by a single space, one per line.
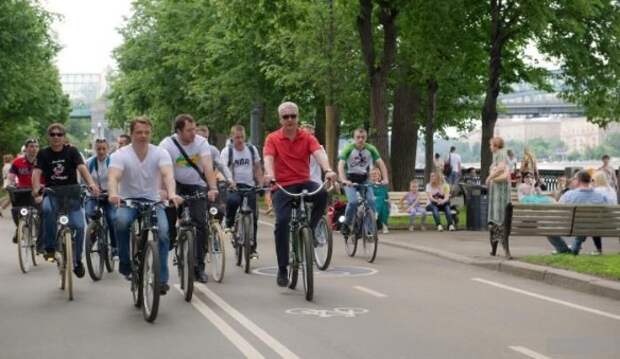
477 204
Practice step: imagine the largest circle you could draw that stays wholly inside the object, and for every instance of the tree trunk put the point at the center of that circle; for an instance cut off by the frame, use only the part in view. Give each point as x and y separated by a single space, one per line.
404 145
319 124
429 131
331 134
489 111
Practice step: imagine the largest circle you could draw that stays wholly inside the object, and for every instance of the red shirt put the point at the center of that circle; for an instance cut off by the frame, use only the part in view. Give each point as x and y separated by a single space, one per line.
291 158
23 170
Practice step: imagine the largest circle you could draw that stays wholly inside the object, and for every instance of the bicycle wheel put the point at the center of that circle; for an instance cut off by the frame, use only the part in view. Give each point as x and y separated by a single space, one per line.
68 262
107 249
24 249
217 252
33 229
94 251
150 278
136 268
238 237
369 235
185 263
307 256
294 260
322 244
350 242
248 233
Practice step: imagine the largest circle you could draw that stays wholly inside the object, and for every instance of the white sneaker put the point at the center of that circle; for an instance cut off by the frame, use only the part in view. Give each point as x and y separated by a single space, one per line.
410 228
451 228
440 228
385 230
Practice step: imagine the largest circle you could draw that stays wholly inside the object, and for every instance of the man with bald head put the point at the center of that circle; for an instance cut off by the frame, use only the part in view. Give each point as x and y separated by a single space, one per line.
287 154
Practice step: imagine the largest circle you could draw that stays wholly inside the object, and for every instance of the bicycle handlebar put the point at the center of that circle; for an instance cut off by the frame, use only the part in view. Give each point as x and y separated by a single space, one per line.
303 193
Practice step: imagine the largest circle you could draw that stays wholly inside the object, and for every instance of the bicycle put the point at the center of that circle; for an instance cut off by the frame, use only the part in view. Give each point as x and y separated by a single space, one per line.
144 255
67 197
323 244
28 224
184 248
243 228
216 253
301 239
364 226
97 245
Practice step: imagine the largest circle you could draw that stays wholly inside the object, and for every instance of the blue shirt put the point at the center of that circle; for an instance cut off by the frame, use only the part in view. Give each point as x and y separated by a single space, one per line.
583 196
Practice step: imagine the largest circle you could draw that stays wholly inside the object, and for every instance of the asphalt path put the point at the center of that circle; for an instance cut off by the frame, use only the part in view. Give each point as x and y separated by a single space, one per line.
405 305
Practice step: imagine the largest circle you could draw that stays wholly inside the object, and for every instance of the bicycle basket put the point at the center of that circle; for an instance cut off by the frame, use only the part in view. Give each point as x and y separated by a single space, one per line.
21 197
68 198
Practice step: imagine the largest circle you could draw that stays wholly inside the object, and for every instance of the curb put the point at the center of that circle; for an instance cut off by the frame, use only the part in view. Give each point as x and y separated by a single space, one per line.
558 277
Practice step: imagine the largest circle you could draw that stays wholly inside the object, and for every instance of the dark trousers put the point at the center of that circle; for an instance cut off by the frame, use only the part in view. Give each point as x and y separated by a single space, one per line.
433 207
233 202
198 214
282 207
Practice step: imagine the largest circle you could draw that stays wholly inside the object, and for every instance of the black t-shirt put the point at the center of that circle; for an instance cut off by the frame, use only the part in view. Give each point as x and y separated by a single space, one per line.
59 168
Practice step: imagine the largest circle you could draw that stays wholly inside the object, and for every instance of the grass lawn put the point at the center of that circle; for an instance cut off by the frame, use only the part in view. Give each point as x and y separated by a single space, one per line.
607 266
403 222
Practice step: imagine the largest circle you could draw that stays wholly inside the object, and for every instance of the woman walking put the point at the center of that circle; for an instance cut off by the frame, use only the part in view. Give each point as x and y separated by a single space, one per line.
499 194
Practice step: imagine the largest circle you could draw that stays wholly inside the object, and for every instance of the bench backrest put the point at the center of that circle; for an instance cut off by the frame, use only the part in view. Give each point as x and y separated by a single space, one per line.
540 219
395 198
598 221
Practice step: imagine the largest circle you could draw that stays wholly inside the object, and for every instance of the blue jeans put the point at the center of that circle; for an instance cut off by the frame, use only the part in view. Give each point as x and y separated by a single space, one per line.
352 202
124 218
435 209
233 202
453 178
76 222
110 216
560 246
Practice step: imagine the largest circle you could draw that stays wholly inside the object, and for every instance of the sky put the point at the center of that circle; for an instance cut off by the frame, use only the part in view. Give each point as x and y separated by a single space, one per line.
87 32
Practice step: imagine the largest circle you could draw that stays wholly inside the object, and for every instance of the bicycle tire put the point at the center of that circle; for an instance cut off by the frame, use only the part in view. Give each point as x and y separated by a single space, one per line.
248 233
150 284
136 271
238 233
94 255
33 227
370 236
217 252
186 265
307 254
107 260
68 262
350 243
293 273
322 244
23 247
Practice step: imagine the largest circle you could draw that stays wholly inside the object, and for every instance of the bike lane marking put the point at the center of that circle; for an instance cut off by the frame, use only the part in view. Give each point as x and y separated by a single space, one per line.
548 299
370 291
270 341
231 334
528 352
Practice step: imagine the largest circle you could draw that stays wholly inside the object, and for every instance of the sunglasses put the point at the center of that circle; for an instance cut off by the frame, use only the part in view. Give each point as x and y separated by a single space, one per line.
286 117
56 134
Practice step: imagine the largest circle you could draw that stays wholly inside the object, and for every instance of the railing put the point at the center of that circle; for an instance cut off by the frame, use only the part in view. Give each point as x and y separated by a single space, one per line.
548 177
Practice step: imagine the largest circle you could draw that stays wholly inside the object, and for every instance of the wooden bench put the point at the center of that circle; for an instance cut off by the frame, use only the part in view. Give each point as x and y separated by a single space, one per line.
401 211
557 220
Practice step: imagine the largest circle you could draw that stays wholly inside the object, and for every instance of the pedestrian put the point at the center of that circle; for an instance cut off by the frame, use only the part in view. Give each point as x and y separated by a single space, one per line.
453 171
6 167
382 199
414 207
438 163
512 167
529 164
609 172
499 194
602 186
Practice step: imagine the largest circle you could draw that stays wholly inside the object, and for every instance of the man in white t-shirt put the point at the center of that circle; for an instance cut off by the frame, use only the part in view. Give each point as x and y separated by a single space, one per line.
455 164
138 171
243 161
316 175
190 178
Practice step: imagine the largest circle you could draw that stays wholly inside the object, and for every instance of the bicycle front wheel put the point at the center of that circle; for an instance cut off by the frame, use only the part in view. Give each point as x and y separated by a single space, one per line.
350 243
217 251
294 260
68 262
369 236
185 263
33 234
322 244
24 249
136 267
307 255
94 250
248 233
150 278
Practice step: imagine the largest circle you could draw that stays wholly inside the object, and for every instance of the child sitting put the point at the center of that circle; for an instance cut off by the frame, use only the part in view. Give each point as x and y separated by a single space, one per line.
413 204
382 199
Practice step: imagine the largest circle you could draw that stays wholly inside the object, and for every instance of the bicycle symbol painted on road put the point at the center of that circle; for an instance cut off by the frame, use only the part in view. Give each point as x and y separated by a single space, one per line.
344 312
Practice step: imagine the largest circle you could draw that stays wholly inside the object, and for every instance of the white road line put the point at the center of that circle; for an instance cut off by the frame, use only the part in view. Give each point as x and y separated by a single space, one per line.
370 291
266 223
270 341
549 299
528 352
243 345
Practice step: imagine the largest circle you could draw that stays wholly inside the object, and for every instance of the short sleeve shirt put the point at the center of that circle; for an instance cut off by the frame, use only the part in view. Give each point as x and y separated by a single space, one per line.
183 171
359 161
99 171
241 163
59 168
438 192
22 169
140 179
291 157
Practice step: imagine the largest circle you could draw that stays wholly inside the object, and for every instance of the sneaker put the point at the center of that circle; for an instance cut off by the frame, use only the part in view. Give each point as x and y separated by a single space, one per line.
282 277
451 228
596 253
385 229
440 228
115 254
410 228
163 288
50 255
78 269
201 277
254 254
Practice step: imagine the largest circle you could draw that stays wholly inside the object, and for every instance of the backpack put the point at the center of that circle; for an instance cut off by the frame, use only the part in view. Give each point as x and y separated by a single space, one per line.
230 157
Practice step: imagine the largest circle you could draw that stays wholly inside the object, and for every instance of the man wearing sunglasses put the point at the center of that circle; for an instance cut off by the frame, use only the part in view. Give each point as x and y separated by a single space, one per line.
287 154
59 164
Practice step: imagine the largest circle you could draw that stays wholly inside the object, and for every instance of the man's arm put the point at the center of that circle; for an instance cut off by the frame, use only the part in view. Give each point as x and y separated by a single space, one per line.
321 158
11 179
86 177
384 172
114 175
258 172
167 174
269 175
207 168
36 181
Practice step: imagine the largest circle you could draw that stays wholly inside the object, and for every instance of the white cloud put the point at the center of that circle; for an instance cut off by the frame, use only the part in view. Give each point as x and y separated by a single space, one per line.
87 32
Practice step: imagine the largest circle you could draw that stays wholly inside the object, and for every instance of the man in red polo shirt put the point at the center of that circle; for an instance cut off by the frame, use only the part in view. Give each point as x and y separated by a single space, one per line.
287 154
